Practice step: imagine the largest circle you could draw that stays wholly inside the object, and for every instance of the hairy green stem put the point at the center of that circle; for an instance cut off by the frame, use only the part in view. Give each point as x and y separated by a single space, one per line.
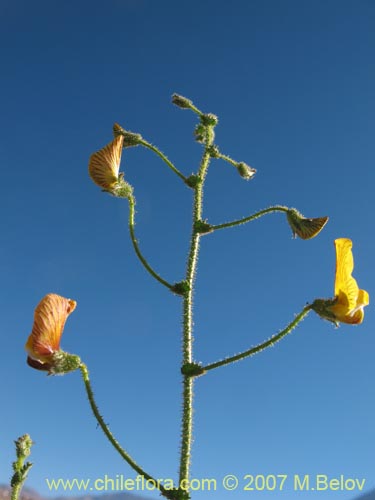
20 468
260 347
187 346
227 159
110 436
163 157
275 208
136 246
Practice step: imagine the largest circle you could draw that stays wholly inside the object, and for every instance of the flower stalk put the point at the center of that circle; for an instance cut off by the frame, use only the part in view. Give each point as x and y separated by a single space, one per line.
137 249
161 155
110 436
261 347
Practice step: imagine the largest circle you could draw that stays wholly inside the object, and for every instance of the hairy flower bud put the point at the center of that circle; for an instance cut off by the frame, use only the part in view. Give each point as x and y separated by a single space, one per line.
245 171
181 101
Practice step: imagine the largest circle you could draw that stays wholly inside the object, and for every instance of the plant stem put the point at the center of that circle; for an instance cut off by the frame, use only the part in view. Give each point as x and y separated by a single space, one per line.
260 347
187 347
161 155
20 468
228 159
110 436
136 246
275 208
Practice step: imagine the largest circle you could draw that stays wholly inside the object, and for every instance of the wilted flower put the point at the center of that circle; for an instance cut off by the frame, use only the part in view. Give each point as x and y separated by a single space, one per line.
43 344
303 227
349 301
104 165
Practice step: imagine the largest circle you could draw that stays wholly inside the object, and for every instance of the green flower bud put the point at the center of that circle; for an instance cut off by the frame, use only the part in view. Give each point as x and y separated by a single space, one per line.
181 101
245 171
209 120
200 132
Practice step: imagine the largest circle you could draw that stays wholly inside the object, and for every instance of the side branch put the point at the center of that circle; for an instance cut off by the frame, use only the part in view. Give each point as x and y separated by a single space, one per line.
110 436
260 347
136 246
275 208
161 155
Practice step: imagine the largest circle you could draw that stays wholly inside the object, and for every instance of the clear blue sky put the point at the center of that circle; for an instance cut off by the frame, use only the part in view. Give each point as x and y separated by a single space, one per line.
293 85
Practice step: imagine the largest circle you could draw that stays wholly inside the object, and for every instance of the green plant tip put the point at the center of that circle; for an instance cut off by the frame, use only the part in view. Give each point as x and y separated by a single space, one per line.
181 101
209 120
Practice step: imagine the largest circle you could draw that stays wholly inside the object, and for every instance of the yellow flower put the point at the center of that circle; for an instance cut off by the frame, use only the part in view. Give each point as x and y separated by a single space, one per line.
104 165
349 301
49 320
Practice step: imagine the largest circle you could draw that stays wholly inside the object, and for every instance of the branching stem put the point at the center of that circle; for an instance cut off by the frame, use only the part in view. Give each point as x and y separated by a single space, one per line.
275 208
260 347
110 436
161 155
136 246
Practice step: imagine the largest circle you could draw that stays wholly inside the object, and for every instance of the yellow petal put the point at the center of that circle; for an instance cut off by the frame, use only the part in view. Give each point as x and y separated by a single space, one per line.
363 298
346 288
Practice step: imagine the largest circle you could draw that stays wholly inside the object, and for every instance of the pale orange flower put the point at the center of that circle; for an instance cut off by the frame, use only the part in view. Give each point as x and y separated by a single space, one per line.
104 165
49 321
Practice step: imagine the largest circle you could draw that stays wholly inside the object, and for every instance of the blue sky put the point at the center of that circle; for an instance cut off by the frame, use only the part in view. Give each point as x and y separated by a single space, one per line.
293 85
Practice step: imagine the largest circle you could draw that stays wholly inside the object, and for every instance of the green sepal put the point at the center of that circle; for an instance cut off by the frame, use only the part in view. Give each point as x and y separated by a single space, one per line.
322 308
121 189
130 138
63 362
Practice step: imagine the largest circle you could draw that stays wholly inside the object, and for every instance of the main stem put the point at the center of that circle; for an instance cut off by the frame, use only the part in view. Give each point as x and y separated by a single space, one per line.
187 346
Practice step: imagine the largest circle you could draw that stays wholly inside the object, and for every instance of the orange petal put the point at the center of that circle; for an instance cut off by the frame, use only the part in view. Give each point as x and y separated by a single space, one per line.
49 320
104 165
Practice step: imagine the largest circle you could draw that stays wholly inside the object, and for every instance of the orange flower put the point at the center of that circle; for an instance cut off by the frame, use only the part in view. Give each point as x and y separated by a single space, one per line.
104 165
49 320
349 302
